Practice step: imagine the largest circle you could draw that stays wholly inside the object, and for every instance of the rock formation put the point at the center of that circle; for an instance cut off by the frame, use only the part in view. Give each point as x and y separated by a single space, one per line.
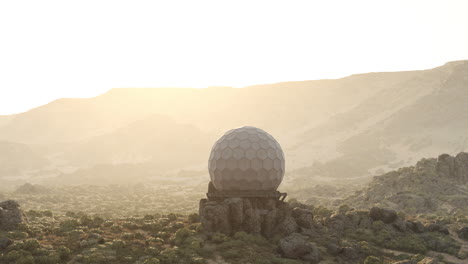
453 167
11 215
432 185
263 216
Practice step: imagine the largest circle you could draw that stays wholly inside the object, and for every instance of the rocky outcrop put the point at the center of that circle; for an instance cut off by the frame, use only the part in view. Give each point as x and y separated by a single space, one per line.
296 246
453 167
264 216
432 185
11 215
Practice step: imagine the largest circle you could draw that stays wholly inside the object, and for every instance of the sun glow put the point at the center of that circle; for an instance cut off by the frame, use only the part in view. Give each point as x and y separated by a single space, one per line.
53 49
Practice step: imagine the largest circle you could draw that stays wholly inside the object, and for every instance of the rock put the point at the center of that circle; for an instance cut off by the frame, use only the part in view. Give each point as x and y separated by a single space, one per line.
463 233
428 260
461 167
263 216
303 217
336 222
295 246
349 253
434 227
358 219
415 226
333 249
314 255
309 232
399 225
5 242
385 215
445 165
11 215
288 226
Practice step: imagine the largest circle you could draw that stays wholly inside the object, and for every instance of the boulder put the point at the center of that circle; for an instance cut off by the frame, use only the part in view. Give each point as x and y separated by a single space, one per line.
303 217
333 249
399 225
288 226
11 215
385 215
349 253
463 233
415 226
358 219
5 242
336 223
295 246
435 227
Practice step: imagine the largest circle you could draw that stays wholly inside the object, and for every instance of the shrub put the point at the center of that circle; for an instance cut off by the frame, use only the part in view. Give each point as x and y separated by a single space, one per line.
372 260
152 261
63 253
68 225
31 244
172 217
181 235
344 208
251 239
231 254
219 238
194 218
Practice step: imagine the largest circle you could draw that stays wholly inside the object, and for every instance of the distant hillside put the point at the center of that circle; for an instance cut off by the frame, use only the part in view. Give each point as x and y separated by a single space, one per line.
15 158
431 186
156 139
355 126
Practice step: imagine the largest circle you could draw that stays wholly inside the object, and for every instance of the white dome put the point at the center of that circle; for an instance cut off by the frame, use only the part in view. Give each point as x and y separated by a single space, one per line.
246 159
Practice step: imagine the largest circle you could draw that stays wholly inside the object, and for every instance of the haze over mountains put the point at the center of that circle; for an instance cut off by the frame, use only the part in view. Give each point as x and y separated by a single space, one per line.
349 127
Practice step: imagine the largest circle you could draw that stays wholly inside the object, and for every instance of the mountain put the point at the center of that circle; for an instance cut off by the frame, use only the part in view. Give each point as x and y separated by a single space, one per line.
154 139
351 127
16 157
435 185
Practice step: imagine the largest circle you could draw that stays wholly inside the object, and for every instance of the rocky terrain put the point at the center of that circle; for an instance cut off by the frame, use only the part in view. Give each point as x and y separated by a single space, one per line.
432 186
310 235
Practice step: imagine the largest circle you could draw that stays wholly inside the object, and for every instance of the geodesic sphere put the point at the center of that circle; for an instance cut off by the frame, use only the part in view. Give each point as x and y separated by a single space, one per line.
246 159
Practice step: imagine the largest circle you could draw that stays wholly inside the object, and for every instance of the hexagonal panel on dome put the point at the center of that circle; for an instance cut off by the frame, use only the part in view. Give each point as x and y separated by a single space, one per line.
246 158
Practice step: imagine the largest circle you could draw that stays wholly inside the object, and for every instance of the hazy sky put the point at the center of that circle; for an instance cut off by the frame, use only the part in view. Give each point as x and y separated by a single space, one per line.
54 49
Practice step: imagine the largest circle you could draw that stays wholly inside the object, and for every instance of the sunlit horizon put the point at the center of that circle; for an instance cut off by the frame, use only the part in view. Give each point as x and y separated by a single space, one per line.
58 50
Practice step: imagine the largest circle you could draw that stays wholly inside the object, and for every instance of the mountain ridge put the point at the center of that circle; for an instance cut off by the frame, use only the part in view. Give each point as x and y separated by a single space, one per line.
363 122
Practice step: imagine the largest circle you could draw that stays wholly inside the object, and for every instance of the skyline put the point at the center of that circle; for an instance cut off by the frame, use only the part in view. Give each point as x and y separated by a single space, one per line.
55 50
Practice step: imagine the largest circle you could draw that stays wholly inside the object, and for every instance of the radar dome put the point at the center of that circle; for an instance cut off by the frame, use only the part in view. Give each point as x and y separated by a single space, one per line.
246 159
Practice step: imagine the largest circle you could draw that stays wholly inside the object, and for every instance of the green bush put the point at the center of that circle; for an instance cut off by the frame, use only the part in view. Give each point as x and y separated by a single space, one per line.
409 243
194 218
31 244
231 254
251 239
219 238
64 253
372 260
68 225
